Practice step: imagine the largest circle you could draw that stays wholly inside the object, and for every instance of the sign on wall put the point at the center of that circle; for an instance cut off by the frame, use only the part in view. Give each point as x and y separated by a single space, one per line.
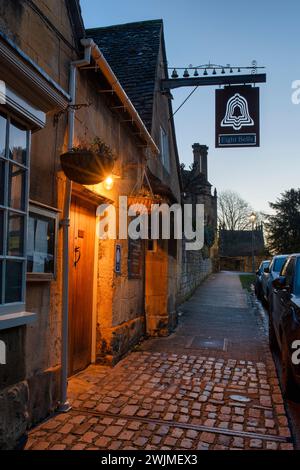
135 258
118 259
237 117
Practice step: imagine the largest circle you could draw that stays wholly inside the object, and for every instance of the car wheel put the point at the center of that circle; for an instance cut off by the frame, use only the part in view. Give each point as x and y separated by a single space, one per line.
272 335
287 382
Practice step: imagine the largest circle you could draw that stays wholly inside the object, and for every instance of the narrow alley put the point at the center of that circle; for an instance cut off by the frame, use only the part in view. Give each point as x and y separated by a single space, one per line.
211 385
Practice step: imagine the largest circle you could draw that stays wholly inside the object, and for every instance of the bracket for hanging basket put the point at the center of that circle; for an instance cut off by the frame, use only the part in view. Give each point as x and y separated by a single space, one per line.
142 198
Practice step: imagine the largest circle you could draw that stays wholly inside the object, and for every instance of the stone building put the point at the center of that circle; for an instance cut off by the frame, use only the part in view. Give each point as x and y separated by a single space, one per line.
61 288
143 42
197 265
235 249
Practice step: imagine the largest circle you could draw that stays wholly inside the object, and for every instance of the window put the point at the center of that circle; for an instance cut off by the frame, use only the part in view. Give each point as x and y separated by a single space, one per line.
14 161
164 149
297 279
288 271
278 263
41 245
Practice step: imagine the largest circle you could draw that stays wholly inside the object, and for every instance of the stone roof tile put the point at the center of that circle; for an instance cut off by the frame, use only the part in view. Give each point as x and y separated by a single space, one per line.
132 50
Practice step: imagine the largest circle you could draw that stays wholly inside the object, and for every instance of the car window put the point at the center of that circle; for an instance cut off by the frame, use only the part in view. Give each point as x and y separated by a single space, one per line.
261 267
271 266
285 266
297 278
289 272
278 263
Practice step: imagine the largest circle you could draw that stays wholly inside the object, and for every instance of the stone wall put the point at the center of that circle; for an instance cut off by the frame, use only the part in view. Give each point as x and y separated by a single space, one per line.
194 270
240 263
29 385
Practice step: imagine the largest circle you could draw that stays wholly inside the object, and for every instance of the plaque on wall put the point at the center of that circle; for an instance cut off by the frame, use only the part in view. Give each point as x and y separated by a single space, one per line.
135 258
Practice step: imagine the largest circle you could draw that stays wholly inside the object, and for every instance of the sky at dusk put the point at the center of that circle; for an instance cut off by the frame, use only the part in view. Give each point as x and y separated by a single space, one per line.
231 32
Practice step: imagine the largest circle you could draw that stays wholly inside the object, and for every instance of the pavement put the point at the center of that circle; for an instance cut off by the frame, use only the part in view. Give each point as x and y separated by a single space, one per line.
211 385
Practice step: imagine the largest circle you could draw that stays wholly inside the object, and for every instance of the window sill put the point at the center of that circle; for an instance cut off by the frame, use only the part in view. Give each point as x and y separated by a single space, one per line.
12 320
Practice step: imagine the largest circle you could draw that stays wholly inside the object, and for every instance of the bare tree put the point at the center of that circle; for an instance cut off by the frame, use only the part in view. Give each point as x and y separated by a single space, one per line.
233 211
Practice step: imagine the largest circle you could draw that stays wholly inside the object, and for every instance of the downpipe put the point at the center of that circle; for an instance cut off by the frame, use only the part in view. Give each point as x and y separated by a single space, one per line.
64 405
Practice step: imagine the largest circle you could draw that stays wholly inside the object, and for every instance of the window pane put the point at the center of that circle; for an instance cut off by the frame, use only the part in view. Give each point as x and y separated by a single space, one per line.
2 135
15 238
2 176
13 281
41 244
17 143
16 187
1 231
279 262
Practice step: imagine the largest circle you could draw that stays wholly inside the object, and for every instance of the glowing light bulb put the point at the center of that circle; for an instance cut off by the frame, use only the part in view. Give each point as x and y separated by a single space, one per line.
108 183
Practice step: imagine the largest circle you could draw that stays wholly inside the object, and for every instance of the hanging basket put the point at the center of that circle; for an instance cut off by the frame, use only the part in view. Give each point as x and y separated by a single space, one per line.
86 167
143 203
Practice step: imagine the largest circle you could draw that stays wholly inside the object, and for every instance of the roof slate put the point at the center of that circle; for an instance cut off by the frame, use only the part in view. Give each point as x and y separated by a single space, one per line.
132 50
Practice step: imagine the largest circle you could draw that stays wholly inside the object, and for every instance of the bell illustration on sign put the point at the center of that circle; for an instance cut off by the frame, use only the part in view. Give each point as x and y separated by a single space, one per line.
237 103
237 116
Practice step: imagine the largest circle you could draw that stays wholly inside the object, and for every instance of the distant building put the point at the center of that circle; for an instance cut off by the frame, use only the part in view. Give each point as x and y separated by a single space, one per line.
235 249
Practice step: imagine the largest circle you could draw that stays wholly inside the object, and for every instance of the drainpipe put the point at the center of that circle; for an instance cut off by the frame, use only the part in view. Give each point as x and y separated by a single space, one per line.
64 405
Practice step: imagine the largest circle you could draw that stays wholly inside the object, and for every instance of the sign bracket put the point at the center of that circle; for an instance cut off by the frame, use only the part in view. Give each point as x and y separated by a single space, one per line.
172 83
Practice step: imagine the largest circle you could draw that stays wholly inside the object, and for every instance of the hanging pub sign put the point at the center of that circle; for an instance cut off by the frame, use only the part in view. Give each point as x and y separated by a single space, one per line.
237 116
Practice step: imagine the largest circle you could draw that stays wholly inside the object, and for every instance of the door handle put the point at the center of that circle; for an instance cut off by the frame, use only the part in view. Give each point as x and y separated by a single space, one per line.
77 255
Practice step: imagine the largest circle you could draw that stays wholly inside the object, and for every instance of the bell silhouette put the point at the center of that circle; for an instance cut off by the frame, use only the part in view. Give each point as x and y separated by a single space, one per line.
214 72
196 74
205 72
186 74
174 74
237 113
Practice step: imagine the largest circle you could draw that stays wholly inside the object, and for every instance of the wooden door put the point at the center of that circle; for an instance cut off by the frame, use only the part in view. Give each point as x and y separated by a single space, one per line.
81 280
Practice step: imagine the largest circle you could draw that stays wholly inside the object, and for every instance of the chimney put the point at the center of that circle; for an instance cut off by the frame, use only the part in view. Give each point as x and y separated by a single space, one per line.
200 158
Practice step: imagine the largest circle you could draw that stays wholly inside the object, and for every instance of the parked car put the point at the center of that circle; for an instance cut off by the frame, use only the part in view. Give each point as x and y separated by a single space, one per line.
284 323
270 274
258 278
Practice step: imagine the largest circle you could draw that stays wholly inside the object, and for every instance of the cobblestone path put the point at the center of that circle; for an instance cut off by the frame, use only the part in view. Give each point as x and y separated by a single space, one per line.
210 385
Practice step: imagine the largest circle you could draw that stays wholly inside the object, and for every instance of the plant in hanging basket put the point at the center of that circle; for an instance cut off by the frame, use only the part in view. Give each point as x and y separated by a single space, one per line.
88 163
144 199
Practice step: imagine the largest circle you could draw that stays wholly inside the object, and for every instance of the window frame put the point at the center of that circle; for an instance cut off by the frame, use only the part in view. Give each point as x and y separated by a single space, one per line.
19 306
296 289
165 149
53 214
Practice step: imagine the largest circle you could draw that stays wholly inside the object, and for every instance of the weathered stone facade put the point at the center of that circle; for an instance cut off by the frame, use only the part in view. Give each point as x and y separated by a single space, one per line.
47 36
194 270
